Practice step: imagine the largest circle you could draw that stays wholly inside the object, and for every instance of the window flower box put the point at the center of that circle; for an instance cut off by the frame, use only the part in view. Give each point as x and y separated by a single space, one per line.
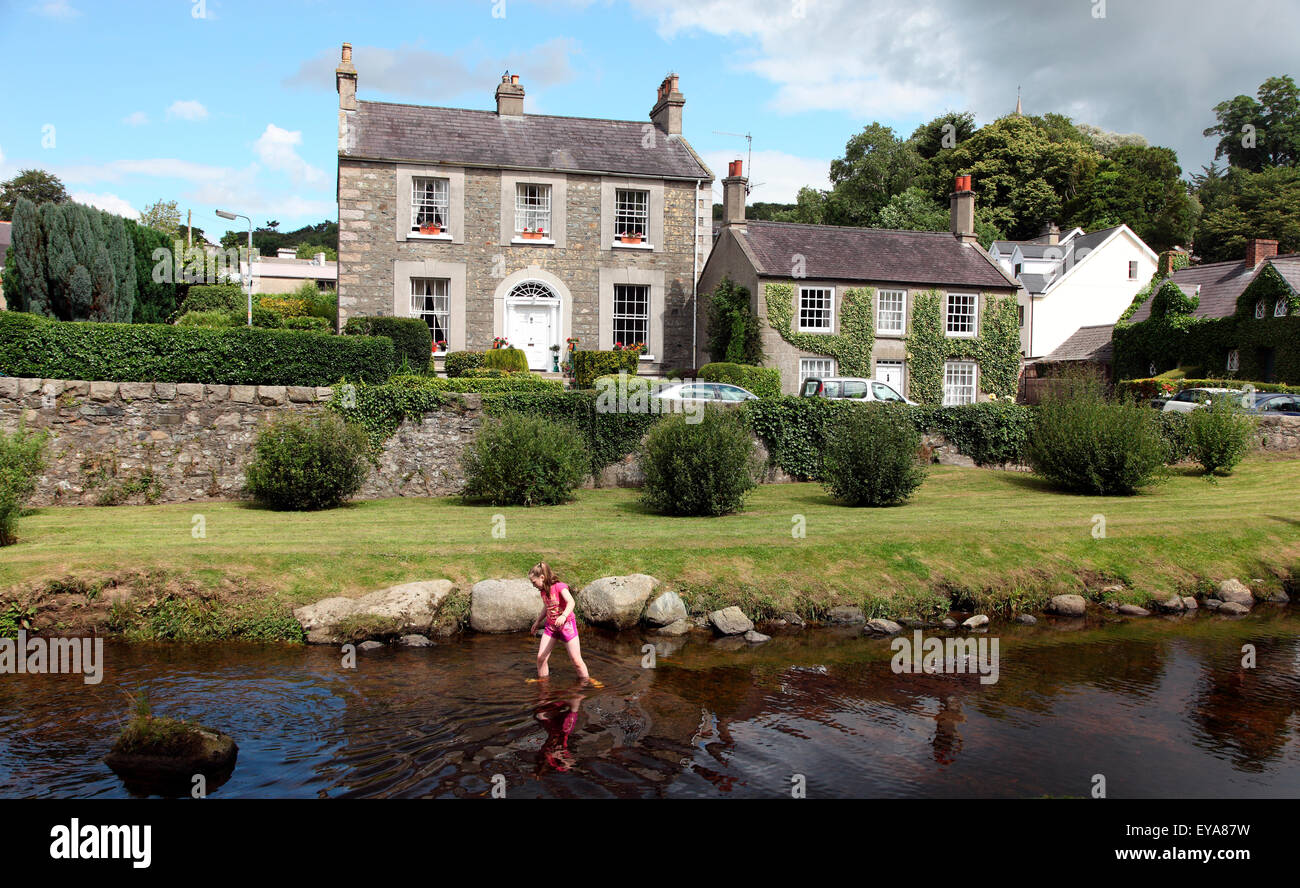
630 237
532 234
430 229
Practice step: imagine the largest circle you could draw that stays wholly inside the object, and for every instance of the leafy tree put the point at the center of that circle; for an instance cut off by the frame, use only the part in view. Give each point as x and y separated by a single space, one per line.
155 301
944 132
73 262
1105 141
163 215
1251 205
876 166
915 210
1259 133
26 288
37 186
308 251
1141 187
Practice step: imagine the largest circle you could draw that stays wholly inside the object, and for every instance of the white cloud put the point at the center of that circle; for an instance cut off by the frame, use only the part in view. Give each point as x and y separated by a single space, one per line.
2 155
110 202
57 9
187 110
136 118
776 176
278 149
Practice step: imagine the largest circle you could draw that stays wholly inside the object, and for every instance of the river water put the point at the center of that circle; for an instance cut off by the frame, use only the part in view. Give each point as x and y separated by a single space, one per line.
1157 707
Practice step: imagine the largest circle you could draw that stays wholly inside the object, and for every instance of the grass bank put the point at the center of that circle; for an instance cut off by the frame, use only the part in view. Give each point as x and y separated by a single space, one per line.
997 542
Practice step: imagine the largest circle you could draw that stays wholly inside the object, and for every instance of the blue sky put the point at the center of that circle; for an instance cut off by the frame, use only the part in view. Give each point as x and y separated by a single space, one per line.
231 103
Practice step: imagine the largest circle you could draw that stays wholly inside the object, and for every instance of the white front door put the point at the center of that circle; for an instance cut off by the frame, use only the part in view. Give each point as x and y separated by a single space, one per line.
890 373
531 328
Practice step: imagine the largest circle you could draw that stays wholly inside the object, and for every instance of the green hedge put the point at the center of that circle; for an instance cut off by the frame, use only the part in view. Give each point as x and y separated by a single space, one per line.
411 337
587 365
610 436
40 348
457 362
512 360
1154 387
762 381
215 297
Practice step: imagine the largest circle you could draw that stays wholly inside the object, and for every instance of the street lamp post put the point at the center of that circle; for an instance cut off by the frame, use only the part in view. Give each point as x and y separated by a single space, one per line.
226 214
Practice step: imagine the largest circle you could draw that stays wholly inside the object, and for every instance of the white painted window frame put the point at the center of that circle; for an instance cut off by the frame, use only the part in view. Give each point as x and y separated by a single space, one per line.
830 310
417 311
950 398
901 295
974 315
805 371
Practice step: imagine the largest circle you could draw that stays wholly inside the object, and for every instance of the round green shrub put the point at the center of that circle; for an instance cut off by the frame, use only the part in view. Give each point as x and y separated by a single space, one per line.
871 456
706 467
522 460
512 360
1218 435
22 459
1083 443
457 362
304 463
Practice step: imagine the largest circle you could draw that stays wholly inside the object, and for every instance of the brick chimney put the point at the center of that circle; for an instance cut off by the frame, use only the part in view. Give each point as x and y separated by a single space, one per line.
962 208
510 96
1166 261
345 81
667 112
734 191
1259 249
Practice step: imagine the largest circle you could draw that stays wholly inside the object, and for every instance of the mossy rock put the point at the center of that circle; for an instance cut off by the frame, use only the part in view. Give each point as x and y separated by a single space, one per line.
164 751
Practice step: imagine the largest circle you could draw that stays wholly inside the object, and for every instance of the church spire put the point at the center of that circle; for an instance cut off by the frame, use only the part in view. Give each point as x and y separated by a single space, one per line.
1019 112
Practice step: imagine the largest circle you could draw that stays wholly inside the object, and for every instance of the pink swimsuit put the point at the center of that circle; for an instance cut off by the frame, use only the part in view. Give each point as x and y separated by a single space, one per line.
555 607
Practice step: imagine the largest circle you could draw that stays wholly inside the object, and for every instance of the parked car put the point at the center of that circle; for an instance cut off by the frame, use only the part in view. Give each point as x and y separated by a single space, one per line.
854 388
1189 399
713 392
1276 404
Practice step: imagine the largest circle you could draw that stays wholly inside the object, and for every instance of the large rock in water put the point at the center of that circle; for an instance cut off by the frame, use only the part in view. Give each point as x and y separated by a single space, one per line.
1068 605
1236 592
504 605
411 607
730 621
665 610
617 602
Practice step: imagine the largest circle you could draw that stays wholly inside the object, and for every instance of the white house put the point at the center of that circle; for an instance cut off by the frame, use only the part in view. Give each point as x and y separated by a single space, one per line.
1073 280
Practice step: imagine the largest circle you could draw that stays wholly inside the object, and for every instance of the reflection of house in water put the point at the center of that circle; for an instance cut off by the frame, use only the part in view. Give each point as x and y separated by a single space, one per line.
1248 712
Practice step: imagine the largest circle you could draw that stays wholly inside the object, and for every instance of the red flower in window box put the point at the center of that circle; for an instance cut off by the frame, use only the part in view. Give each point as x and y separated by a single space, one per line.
630 237
533 233
431 229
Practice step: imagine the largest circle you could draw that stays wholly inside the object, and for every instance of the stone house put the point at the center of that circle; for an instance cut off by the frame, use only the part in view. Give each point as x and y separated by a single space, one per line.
818 264
525 226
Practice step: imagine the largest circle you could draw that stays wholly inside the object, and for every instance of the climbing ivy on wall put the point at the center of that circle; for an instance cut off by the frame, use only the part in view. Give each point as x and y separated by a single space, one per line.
996 349
851 347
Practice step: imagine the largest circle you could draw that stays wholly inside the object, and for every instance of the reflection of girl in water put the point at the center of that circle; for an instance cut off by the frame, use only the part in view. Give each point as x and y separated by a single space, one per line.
559 718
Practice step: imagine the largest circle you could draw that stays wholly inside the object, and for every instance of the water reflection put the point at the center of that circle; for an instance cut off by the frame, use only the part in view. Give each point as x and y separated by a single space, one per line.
1163 708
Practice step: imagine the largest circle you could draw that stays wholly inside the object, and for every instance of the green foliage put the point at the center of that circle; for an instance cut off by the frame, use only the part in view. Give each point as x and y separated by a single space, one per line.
206 319
22 459
40 348
609 435
699 468
306 463
309 251
155 301
1273 119
35 186
1080 442
993 433
1170 301
520 460
1158 386
996 349
1219 435
851 347
228 298
762 381
871 456
587 365
734 333
318 325
456 363
1240 205
380 408
411 337
511 360
1142 187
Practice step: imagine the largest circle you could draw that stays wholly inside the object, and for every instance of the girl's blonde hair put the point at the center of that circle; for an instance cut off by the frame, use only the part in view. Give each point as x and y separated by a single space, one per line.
543 570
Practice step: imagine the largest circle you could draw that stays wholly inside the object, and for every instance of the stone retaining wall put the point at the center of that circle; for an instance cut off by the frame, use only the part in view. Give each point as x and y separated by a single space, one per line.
181 442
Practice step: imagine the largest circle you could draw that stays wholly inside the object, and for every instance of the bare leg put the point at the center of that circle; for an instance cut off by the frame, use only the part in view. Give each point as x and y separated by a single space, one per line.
575 653
544 654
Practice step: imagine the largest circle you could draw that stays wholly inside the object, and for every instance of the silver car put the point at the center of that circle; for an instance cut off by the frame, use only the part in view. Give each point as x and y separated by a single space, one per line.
712 392
1189 399
853 388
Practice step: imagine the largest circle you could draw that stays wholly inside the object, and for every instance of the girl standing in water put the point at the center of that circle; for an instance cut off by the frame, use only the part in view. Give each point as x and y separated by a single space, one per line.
559 620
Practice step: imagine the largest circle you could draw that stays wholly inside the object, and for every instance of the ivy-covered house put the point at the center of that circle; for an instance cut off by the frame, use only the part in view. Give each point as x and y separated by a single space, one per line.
1232 320
928 312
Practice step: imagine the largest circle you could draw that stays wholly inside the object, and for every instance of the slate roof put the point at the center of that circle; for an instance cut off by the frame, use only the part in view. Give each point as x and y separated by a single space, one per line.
871 254
1035 283
1090 344
461 136
1220 282
1288 266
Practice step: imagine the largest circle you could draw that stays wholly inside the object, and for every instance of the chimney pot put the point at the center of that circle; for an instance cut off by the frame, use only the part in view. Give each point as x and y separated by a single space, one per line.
510 96
734 191
667 112
962 210
345 80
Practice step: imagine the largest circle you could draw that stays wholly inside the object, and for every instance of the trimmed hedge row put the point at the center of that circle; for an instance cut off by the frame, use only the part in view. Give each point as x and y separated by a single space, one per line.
587 365
411 337
1154 387
36 347
762 381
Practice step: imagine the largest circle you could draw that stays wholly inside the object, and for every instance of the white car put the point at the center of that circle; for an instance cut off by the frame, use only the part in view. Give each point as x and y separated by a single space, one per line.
713 392
851 388
1189 399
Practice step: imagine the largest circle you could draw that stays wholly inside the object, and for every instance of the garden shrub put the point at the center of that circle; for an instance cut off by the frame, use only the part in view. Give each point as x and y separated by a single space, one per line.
305 463
1219 434
306 322
735 333
871 456
1173 429
40 348
205 319
1083 443
457 362
411 337
699 468
22 459
609 435
214 297
587 365
992 433
521 460
286 305
511 360
762 381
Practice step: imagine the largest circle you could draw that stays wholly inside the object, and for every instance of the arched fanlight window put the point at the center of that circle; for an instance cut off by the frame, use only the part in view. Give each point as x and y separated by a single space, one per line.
532 290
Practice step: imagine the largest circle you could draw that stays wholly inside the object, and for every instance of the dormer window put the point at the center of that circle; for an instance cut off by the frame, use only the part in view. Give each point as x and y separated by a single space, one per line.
1260 308
1279 309
430 206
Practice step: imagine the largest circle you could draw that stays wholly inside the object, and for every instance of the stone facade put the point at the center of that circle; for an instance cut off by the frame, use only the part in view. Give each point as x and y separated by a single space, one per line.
377 259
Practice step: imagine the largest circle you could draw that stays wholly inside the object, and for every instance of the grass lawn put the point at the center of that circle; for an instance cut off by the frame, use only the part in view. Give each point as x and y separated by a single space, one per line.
989 539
